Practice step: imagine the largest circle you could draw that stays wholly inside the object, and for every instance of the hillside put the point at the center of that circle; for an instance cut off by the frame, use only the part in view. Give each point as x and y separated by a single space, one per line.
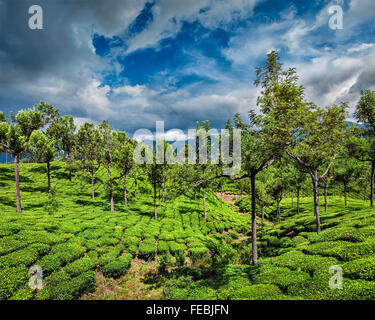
86 251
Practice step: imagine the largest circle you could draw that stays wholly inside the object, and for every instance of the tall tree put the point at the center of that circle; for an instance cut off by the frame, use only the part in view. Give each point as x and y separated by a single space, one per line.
282 114
63 129
203 154
44 149
123 158
155 172
107 150
365 150
88 151
345 171
3 118
15 136
317 145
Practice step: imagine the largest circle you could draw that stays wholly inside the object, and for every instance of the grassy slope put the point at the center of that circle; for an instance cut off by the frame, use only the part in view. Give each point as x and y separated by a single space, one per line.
85 246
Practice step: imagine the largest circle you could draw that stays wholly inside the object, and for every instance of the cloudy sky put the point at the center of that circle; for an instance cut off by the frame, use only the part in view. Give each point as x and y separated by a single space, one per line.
133 62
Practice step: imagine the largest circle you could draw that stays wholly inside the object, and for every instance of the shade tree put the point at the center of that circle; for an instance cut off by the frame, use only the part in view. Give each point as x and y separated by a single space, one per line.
63 130
123 158
317 145
363 148
15 136
108 146
43 149
88 150
345 171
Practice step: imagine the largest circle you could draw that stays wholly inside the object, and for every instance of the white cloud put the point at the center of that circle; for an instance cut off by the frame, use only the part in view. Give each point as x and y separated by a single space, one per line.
361 47
168 16
134 91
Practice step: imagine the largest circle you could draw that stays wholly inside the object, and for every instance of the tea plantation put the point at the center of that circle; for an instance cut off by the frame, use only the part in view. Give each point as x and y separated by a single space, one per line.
83 241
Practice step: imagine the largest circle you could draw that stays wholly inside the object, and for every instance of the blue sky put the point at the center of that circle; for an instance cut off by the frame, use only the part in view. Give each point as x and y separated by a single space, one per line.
135 62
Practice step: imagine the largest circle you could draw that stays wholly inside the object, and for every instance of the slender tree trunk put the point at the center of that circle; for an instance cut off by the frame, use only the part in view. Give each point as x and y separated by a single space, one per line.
163 188
195 195
298 198
253 222
204 203
70 167
49 176
92 185
111 189
6 156
159 199
278 211
316 203
345 189
155 206
17 178
125 192
326 197
372 182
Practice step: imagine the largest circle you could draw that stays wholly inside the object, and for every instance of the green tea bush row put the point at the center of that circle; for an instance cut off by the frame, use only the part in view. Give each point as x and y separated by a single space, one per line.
68 252
147 249
80 266
26 256
11 278
118 267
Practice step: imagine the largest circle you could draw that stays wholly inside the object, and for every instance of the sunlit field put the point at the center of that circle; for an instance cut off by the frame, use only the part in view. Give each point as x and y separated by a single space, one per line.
88 252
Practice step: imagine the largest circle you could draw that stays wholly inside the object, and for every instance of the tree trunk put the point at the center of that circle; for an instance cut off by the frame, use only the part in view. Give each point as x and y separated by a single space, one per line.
125 192
316 203
325 197
253 222
298 197
155 206
111 189
17 178
204 203
6 156
159 199
262 212
372 182
70 167
163 189
92 185
48 176
345 189
195 195
278 211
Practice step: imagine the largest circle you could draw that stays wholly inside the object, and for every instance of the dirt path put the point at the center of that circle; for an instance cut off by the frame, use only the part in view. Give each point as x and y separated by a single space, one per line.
230 198
135 285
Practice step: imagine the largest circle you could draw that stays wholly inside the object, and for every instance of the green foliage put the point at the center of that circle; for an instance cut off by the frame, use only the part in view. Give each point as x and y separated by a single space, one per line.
61 287
258 292
197 253
68 252
147 249
297 260
281 277
201 290
25 256
49 264
11 278
118 268
80 266
363 268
